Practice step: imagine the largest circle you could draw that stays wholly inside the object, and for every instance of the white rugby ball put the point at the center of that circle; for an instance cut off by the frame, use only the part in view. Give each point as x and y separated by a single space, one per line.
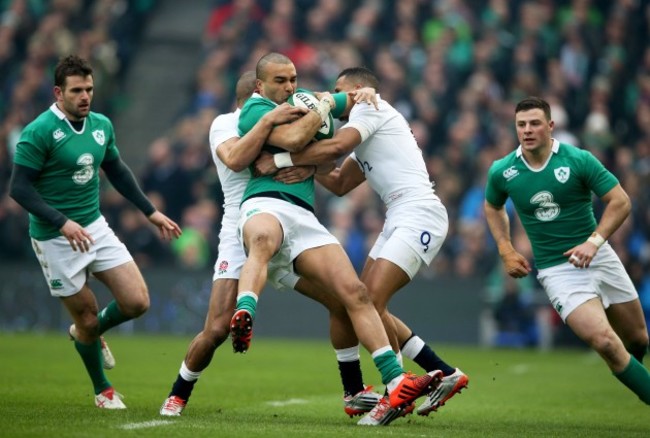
308 100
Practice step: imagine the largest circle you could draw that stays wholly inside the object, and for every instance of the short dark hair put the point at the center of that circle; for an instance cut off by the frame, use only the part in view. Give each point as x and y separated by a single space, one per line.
362 76
534 102
71 65
270 58
245 87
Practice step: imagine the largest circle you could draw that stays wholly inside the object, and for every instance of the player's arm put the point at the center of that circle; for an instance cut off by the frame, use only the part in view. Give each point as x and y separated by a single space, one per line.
317 153
238 153
298 134
122 178
617 209
342 180
22 190
497 218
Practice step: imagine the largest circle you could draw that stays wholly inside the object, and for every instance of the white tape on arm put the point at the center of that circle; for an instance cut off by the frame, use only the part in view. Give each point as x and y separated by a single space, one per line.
282 160
596 239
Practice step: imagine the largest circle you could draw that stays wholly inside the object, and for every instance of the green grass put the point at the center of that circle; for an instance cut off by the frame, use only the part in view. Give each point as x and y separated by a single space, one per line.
44 391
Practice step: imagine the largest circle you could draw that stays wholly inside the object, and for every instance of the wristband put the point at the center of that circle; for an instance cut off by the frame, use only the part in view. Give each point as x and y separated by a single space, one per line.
322 108
596 239
282 160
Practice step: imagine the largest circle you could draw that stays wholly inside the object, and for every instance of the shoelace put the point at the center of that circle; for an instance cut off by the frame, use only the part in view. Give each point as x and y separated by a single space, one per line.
380 409
174 401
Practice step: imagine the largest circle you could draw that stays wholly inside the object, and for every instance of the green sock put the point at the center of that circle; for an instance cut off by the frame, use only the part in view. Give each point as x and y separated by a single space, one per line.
91 355
247 301
110 316
388 366
636 377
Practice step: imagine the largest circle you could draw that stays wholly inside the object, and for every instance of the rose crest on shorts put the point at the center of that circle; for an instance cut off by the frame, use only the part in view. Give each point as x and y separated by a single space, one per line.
223 266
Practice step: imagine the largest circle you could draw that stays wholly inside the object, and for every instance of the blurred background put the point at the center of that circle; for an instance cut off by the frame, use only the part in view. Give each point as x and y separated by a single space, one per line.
455 69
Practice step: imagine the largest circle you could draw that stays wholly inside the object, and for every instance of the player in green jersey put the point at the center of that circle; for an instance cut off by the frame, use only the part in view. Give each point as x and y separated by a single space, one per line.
551 186
56 179
278 228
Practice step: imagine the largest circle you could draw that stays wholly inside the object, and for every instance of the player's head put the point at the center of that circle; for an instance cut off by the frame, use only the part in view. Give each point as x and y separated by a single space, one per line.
533 123
276 77
351 79
245 87
73 86
354 78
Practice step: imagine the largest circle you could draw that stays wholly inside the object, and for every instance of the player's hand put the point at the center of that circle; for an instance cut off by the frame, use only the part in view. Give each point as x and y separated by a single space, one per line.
285 113
296 174
515 264
366 95
167 227
264 165
325 95
79 238
581 255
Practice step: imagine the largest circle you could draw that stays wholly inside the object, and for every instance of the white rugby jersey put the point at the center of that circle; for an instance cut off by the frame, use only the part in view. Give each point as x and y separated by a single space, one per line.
233 184
388 154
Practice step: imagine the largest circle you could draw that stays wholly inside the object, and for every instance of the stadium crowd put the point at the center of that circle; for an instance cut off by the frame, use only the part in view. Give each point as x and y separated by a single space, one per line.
454 68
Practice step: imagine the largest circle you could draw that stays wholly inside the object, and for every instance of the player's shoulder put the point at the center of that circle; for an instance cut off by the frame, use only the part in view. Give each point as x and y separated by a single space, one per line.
99 119
505 162
226 119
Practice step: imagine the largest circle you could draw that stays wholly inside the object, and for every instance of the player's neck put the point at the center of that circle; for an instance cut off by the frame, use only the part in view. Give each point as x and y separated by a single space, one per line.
537 158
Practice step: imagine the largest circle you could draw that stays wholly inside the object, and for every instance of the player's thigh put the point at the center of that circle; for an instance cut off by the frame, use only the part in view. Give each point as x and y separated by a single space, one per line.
588 320
126 284
320 294
628 322
330 267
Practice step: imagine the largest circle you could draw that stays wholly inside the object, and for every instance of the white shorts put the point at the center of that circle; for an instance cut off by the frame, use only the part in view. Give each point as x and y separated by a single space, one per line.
413 234
231 257
302 231
66 271
568 287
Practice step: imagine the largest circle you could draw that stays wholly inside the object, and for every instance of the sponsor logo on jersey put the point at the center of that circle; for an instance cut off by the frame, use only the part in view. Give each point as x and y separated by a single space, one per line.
510 173
562 174
58 134
223 267
56 284
99 137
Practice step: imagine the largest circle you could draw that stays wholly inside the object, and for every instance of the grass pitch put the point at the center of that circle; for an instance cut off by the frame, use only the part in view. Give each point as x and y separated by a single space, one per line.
286 388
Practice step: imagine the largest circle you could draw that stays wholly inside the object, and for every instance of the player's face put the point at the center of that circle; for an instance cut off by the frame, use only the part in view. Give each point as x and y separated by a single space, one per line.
533 129
75 96
280 82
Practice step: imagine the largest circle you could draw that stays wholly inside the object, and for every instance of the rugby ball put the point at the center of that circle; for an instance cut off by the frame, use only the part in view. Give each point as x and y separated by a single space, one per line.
308 100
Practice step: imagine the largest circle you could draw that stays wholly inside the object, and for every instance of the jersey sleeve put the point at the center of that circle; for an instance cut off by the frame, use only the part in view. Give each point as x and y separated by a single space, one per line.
495 192
31 150
112 153
597 177
366 120
253 110
223 129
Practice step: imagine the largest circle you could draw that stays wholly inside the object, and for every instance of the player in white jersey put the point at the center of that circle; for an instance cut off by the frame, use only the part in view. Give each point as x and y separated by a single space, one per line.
388 157
231 156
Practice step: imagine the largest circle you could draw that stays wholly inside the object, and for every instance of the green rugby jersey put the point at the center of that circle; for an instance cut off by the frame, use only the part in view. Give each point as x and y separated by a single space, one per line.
554 202
252 111
69 162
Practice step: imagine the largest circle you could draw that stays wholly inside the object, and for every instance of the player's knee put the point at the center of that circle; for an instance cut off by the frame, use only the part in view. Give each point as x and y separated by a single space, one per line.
606 343
217 333
138 305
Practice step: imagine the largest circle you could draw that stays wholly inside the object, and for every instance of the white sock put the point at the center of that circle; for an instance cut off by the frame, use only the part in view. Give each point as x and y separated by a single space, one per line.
348 354
393 383
412 347
400 360
187 375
